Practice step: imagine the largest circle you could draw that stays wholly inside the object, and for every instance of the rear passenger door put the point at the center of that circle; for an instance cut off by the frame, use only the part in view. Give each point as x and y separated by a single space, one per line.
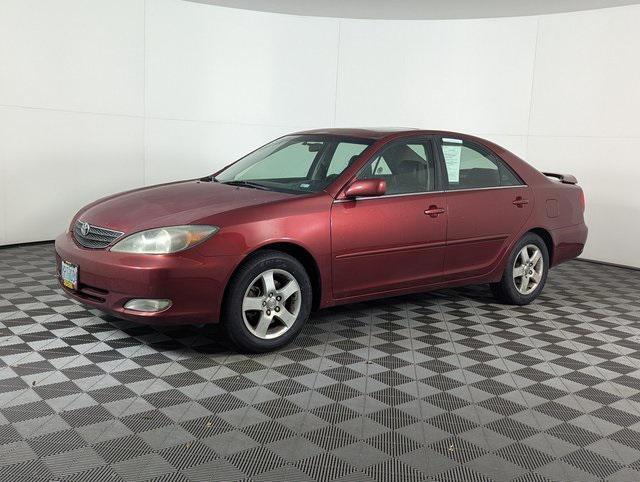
487 203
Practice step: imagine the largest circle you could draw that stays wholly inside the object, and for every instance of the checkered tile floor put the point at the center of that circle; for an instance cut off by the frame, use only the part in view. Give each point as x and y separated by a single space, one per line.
445 386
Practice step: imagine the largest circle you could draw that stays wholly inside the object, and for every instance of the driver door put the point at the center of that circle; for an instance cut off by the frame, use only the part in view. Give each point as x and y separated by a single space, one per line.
394 241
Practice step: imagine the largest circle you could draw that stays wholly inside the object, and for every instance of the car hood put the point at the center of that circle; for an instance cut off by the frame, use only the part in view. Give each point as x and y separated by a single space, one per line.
172 204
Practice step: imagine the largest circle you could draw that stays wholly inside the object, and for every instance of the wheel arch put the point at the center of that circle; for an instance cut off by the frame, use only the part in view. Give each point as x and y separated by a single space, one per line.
548 241
298 252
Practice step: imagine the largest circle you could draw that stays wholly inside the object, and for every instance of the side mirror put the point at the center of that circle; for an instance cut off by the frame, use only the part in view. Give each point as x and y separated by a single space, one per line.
366 188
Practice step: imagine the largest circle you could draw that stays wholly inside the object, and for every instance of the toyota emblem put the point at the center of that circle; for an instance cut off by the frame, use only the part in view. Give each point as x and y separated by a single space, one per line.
85 228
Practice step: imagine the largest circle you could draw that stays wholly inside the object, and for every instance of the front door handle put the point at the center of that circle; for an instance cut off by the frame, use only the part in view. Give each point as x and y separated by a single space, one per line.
434 211
520 201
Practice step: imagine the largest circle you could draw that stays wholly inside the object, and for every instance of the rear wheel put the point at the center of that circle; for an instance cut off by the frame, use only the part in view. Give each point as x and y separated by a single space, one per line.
268 301
525 273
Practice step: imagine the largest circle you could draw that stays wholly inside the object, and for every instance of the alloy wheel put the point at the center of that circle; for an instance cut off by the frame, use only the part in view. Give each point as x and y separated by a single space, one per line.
528 268
271 304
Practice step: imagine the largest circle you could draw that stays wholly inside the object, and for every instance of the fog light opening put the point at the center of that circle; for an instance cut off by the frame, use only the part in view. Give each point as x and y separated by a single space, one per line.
147 305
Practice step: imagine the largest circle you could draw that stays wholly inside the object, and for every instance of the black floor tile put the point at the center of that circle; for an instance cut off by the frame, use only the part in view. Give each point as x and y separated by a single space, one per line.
448 385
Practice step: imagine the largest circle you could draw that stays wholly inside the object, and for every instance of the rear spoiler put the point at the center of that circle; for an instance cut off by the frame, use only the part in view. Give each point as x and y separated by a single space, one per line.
564 178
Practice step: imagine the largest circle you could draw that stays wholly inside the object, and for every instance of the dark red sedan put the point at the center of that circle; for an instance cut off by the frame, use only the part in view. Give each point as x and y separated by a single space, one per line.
320 218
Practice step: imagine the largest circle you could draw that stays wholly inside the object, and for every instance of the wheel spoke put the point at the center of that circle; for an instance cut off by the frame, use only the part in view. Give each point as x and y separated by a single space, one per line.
536 276
519 271
536 257
269 284
524 255
289 289
524 284
286 316
252 303
263 325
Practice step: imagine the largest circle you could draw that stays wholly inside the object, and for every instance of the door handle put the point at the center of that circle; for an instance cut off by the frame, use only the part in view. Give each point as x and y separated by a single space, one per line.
519 201
434 211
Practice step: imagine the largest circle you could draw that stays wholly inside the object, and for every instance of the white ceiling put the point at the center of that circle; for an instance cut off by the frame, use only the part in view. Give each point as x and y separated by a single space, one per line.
418 9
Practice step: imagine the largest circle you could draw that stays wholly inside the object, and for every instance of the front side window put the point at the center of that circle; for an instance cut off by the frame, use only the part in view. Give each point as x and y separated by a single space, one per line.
407 167
469 166
297 164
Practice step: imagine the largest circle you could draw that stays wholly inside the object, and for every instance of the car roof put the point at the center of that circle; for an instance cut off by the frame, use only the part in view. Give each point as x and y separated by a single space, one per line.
376 133
363 132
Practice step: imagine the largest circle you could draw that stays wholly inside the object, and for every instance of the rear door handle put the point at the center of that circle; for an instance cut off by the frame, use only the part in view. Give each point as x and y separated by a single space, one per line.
519 201
434 211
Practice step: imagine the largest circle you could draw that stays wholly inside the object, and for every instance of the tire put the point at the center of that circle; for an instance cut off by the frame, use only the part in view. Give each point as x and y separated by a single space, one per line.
517 289
267 302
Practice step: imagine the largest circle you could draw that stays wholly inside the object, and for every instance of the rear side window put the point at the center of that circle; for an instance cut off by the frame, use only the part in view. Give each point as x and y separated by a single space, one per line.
470 166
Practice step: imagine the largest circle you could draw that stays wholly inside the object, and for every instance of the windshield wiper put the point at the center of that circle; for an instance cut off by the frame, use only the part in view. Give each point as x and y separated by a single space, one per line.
253 185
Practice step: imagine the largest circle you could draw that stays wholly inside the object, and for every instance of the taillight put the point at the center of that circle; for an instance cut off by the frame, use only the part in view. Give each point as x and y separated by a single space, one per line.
582 200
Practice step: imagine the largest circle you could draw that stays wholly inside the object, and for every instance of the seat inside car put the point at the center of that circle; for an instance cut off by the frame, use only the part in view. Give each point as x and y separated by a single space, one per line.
412 176
404 170
410 170
477 177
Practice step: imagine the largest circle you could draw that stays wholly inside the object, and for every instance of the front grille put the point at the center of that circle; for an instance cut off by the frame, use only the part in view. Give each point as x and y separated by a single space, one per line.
96 237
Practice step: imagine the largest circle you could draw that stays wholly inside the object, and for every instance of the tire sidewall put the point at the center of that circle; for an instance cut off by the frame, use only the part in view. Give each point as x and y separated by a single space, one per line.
232 311
508 286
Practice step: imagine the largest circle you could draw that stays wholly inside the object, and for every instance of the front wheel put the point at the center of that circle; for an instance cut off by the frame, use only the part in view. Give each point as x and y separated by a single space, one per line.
268 301
525 273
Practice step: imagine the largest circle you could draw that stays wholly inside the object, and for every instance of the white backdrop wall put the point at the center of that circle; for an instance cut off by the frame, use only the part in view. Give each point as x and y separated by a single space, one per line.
98 97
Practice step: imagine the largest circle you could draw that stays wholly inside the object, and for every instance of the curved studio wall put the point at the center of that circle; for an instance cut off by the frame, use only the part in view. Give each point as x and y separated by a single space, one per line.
98 97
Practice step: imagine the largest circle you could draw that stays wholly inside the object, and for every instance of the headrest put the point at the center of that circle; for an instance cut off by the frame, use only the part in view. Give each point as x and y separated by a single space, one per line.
410 166
479 177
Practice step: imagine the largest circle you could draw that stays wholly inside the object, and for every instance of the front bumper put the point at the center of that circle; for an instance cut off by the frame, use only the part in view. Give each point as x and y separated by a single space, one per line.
194 284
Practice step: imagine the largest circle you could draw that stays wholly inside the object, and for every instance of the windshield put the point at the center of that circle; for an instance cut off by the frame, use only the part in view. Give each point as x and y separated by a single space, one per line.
298 164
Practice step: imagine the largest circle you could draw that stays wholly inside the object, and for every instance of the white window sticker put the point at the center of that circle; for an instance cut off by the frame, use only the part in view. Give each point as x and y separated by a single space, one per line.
451 150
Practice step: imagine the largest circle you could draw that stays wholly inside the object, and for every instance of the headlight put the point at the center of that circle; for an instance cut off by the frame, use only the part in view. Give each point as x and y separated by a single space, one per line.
165 240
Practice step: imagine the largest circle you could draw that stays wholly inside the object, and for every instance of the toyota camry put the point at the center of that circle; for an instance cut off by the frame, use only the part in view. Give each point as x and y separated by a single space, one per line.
320 218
